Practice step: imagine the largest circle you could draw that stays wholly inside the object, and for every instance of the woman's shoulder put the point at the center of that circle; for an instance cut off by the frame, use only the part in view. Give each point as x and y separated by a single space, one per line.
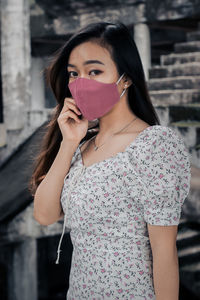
155 142
159 150
156 134
161 132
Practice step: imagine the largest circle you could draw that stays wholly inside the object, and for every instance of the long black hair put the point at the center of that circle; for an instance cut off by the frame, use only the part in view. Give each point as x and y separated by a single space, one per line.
118 40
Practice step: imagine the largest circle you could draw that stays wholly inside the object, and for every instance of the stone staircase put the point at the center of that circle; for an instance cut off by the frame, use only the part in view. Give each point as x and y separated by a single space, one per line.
175 92
188 246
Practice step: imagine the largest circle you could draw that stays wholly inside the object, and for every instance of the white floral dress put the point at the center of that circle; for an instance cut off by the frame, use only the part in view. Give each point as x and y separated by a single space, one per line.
107 206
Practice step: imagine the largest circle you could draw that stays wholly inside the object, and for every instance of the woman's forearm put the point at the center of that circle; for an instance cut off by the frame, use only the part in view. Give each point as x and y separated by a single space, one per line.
166 274
47 207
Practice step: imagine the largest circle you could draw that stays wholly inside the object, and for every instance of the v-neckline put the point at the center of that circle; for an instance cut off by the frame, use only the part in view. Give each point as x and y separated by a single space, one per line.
117 154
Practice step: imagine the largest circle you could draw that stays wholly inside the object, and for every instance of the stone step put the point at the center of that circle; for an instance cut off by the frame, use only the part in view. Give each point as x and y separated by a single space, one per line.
182 223
195 186
188 244
179 58
191 207
193 46
184 112
189 285
192 267
189 255
170 83
189 131
185 225
193 36
183 236
185 69
195 154
186 240
175 97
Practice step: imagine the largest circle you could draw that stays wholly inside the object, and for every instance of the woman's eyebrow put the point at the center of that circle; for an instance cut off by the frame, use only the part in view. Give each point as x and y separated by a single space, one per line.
87 62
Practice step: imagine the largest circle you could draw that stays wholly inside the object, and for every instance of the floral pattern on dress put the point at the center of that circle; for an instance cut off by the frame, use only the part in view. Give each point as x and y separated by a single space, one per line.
109 208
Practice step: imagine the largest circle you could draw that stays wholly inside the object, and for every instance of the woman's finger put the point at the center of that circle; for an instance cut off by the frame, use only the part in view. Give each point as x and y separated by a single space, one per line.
74 108
67 114
70 104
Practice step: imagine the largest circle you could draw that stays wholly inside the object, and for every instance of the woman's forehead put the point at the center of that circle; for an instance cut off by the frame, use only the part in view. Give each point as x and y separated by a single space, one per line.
89 51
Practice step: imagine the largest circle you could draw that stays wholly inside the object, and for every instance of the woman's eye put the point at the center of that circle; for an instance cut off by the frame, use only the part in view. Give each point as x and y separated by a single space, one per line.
72 74
95 72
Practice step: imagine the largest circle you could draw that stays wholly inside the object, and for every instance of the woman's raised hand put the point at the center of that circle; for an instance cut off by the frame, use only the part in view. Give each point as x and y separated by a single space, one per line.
72 128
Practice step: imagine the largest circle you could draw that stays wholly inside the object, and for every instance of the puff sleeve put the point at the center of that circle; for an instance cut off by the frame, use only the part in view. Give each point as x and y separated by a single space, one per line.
167 179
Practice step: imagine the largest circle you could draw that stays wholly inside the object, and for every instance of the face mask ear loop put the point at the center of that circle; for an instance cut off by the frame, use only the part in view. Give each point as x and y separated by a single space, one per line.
123 93
120 78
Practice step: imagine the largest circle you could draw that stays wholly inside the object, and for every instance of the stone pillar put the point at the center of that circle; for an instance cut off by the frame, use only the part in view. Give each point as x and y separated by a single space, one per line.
22 272
143 42
37 84
3 135
36 113
15 62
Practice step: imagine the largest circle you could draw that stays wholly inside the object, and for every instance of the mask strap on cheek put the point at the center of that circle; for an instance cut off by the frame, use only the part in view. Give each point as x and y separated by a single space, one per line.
120 78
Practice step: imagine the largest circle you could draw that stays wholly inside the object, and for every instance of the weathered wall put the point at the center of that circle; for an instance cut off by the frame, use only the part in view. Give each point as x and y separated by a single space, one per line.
172 9
67 17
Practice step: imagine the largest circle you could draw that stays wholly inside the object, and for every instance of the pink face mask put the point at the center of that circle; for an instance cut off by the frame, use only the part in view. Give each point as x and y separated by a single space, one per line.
94 98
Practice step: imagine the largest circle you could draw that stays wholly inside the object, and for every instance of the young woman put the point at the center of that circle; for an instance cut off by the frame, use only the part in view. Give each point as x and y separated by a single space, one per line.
120 184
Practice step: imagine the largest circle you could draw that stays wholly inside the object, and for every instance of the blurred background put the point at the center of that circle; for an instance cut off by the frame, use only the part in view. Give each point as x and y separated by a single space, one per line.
167 34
